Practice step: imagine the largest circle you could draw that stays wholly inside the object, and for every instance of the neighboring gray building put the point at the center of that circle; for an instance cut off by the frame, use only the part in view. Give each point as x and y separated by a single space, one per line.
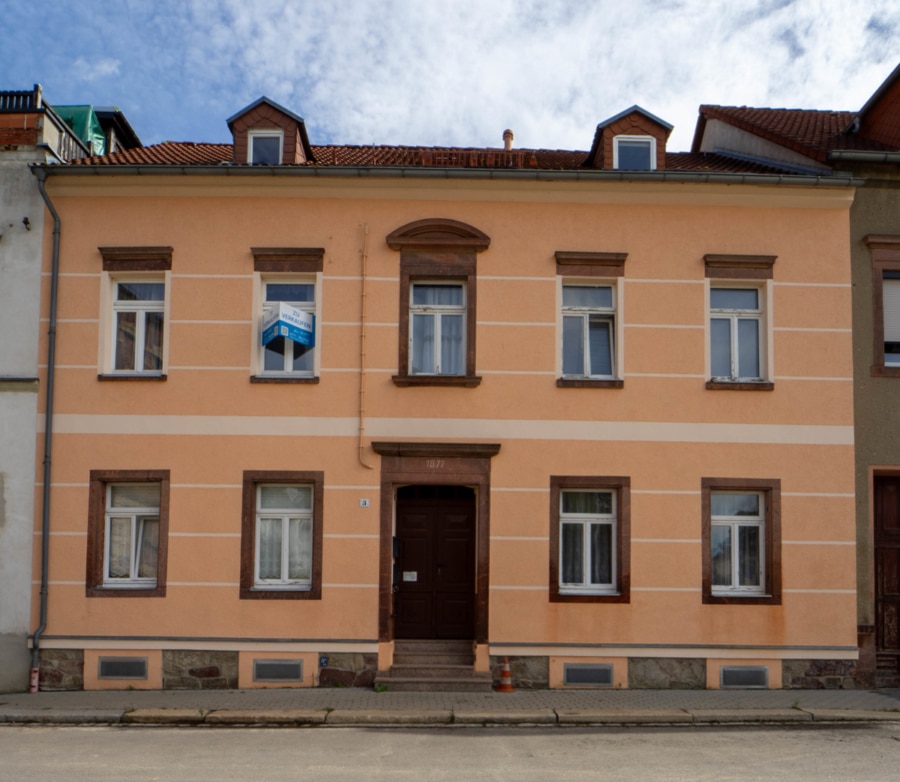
865 143
30 132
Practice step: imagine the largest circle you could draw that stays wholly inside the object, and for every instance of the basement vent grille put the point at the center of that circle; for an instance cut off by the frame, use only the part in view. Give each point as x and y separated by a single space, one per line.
744 676
278 670
587 674
122 668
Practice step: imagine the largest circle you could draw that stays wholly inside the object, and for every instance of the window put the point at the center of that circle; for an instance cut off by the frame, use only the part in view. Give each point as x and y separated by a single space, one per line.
741 540
588 329
265 147
283 355
281 544
885 252
739 344
437 302
635 153
138 318
290 275
735 334
590 528
135 301
437 339
127 532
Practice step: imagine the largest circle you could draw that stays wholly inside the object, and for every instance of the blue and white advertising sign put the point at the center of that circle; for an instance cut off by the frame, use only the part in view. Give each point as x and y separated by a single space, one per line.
287 321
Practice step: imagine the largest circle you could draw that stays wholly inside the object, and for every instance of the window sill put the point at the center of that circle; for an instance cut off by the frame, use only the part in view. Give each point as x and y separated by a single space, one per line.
125 591
466 381
738 385
738 598
281 593
302 380
133 376
587 597
586 382
884 370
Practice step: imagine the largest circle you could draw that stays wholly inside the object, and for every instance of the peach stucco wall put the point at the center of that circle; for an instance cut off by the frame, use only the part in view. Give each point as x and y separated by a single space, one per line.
207 423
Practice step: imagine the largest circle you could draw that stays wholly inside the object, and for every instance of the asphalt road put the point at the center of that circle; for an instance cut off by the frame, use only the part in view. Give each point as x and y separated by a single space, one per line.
107 754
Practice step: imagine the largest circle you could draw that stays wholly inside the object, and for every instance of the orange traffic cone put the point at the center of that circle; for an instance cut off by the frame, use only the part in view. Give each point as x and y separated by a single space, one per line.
505 678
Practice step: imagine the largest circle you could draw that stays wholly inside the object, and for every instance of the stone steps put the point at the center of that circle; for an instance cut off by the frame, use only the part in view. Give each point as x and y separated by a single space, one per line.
433 666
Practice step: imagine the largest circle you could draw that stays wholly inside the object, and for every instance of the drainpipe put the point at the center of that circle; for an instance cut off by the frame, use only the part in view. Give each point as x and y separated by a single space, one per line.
34 684
362 349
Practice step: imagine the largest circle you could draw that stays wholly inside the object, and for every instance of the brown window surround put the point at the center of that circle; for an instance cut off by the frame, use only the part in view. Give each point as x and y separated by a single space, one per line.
885 252
135 259
445 251
96 532
621 486
252 478
287 260
591 264
771 490
737 268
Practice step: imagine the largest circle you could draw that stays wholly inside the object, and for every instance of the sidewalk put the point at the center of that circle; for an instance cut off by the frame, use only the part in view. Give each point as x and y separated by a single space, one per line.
343 707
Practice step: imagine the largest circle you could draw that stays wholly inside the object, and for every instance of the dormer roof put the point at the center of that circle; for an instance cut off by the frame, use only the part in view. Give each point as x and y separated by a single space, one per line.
634 122
265 114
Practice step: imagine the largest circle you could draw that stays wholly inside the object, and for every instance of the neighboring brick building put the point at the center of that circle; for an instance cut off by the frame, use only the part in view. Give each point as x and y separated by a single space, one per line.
866 145
324 410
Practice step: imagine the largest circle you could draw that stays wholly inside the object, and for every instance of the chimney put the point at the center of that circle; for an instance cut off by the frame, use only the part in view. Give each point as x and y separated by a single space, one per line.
507 139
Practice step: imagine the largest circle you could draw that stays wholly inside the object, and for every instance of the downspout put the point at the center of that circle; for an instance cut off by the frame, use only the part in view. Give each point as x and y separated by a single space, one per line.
34 684
362 349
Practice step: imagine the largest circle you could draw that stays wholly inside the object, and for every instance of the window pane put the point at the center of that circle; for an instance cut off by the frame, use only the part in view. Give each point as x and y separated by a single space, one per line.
573 345
572 554
721 555
119 546
587 296
126 326
633 154
300 549
269 548
748 348
153 340
148 546
437 295
297 292
601 553
734 298
303 358
285 497
266 149
140 291
749 555
724 504
594 502
720 347
273 356
141 495
451 344
600 345
422 358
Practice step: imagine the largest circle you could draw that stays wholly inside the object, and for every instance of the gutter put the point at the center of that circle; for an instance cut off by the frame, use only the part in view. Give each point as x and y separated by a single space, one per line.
865 157
34 685
432 172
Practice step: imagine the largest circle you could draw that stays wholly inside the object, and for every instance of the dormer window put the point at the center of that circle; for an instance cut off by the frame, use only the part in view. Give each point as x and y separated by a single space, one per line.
265 147
634 153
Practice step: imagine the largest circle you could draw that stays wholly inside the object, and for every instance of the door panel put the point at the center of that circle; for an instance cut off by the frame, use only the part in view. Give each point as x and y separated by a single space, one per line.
887 564
435 593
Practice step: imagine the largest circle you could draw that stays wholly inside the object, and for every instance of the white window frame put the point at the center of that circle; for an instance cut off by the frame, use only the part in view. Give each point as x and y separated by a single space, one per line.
286 515
609 313
137 515
735 523
140 308
649 141
763 294
437 311
311 307
269 133
890 297
586 521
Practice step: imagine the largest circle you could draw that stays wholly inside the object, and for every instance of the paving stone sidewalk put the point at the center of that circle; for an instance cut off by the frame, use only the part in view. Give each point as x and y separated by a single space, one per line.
333 707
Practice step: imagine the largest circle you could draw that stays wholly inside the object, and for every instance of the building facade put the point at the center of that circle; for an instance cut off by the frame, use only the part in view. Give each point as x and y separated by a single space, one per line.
318 405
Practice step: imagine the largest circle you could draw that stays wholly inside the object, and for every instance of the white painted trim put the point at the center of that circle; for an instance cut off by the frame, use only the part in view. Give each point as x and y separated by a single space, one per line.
767 653
239 646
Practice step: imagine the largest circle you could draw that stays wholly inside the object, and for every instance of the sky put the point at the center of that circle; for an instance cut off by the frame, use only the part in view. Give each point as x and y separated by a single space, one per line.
446 72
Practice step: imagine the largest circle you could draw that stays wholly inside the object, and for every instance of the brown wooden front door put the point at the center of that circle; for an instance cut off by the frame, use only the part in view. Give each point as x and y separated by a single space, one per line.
434 562
887 565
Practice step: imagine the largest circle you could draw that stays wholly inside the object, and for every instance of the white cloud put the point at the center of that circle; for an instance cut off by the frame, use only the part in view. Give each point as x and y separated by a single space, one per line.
86 70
